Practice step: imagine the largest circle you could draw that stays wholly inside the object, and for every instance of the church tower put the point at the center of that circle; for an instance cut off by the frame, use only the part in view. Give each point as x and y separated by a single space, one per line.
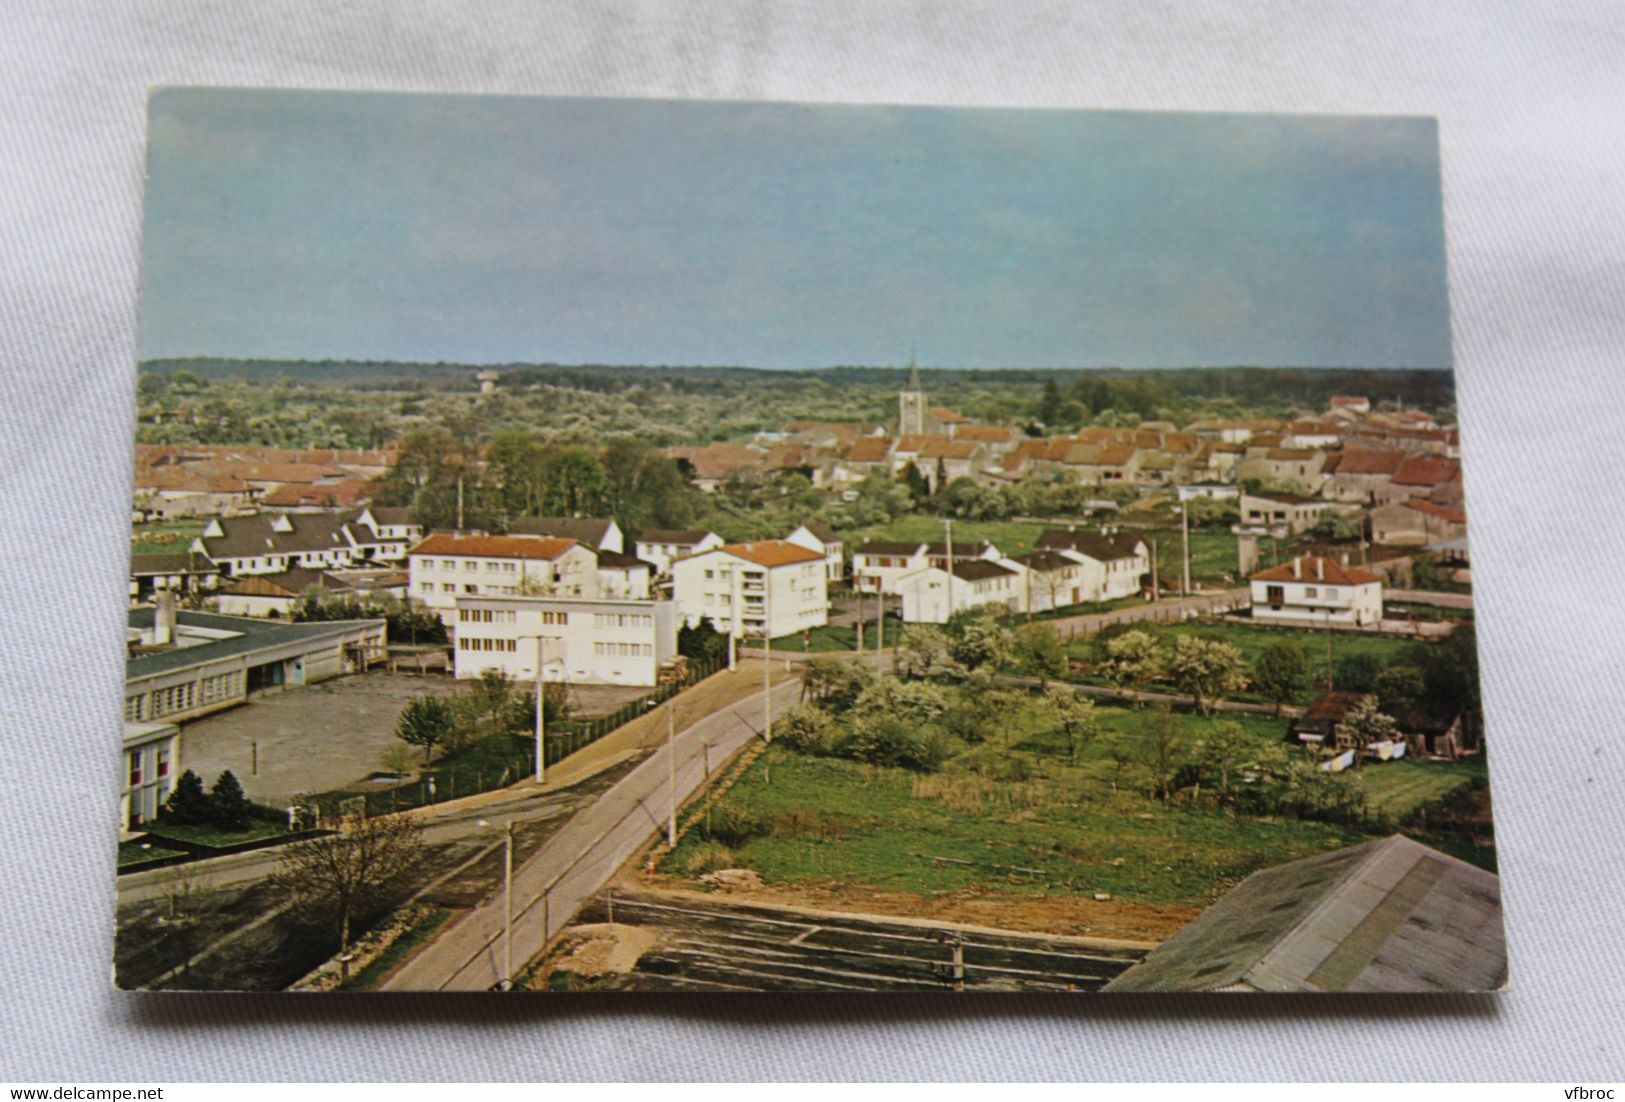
911 404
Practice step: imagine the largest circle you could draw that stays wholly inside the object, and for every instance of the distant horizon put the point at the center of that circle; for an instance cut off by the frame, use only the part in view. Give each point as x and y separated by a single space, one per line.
476 365
401 227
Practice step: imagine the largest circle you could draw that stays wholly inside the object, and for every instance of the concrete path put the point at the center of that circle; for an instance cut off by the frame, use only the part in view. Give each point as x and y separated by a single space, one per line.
576 862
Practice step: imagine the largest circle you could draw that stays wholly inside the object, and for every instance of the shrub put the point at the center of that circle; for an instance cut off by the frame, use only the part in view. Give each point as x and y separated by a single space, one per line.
229 809
708 857
885 740
733 825
806 729
188 805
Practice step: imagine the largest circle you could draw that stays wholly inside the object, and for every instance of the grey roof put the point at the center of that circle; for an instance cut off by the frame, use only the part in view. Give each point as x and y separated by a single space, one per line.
294 581
171 562
822 531
253 537
686 537
617 561
969 549
1044 560
587 530
1391 915
1101 548
888 547
253 635
393 514
973 570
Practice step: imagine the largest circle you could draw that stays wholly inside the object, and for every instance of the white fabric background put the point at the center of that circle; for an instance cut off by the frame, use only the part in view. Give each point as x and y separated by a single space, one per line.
1530 99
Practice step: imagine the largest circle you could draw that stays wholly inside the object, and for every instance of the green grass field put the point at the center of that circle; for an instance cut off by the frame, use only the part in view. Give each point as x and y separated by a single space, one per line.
1213 552
1008 536
1047 826
205 835
167 535
131 852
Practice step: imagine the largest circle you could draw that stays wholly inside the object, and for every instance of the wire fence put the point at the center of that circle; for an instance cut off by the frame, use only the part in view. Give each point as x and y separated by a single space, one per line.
501 759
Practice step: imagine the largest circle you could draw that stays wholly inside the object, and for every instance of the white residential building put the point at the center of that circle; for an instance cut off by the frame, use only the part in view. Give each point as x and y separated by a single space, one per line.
932 595
746 588
444 568
827 542
585 641
879 565
1314 590
1117 565
625 577
664 546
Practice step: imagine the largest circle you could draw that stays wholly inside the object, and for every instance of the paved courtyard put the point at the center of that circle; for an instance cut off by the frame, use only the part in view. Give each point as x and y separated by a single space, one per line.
308 739
329 735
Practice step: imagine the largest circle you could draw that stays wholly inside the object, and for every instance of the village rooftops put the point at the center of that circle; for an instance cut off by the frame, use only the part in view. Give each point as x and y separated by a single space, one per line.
772 553
1315 568
393 515
871 449
889 547
281 534
1369 461
1390 915
1426 470
494 547
1433 510
587 530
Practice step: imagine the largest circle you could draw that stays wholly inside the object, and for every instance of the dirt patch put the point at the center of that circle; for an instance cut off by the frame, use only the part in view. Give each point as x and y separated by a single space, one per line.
601 949
1064 915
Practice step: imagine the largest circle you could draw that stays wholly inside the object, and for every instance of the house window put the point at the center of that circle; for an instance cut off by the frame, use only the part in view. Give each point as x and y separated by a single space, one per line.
1309 592
135 767
163 761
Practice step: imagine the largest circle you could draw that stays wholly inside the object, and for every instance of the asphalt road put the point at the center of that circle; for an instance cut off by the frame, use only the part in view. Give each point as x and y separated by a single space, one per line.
579 859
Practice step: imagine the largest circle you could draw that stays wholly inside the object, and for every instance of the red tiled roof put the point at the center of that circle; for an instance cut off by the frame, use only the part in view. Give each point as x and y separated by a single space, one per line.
989 434
1366 461
772 553
1432 510
1315 569
494 547
1115 455
1426 470
871 449
946 415
939 448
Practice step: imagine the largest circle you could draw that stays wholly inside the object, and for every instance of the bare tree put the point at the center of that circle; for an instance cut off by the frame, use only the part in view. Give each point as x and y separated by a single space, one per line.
342 876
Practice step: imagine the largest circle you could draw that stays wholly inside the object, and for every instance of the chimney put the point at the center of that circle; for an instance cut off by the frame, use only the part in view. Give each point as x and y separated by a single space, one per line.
1320 568
1297 568
1345 558
163 618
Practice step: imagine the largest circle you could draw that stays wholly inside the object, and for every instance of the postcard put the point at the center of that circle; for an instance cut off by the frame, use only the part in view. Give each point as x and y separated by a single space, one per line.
619 545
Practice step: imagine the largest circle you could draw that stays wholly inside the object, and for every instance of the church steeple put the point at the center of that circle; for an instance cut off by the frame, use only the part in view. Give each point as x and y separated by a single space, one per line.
911 402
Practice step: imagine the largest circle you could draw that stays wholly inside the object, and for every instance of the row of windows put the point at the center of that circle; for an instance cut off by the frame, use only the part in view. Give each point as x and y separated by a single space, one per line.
469 565
155 756
623 650
506 646
487 615
621 620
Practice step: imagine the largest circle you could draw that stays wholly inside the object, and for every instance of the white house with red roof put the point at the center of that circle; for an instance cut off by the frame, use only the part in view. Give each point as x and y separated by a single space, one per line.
745 589
1313 590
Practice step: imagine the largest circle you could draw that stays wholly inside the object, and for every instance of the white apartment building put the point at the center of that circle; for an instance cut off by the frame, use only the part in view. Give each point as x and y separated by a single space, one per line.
445 568
151 767
824 540
746 588
585 641
932 595
1314 590
664 546
879 565
1116 565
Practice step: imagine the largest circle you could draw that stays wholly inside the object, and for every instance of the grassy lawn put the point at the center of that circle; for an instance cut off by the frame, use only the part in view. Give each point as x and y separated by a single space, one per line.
163 535
1008 536
131 852
832 638
204 835
827 818
1398 788
1424 612
1213 551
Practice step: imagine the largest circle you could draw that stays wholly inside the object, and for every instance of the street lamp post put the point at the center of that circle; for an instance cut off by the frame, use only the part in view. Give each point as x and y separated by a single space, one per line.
541 705
506 982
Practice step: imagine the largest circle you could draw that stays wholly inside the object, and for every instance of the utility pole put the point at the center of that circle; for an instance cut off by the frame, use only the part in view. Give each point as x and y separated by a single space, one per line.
1156 592
541 713
767 654
459 503
671 772
948 547
1185 538
859 579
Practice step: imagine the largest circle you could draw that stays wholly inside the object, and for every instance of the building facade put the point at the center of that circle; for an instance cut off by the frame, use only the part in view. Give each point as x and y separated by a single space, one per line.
585 641
446 568
745 589
1312 590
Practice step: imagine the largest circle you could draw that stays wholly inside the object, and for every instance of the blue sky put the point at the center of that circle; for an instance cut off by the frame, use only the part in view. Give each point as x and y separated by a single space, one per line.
495 229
